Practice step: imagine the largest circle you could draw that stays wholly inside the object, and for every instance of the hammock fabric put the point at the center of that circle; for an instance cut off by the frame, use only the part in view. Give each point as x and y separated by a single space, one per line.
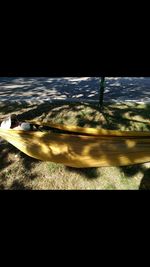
82 147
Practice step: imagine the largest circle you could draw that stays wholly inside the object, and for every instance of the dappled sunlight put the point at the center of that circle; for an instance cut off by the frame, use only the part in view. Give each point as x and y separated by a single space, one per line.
130 116
92 173
81 151
15 168
7 154
108 148
124 89
117 89
44 88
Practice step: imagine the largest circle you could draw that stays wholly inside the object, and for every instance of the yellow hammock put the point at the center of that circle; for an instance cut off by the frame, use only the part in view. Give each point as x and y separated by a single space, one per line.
87 148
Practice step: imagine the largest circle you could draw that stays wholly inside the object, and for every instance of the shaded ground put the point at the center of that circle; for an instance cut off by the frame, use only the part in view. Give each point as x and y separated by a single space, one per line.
118 89
43 88
122 89
18 171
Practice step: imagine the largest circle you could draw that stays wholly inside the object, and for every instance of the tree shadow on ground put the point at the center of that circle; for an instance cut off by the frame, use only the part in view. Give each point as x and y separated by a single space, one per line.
131 171
89 173
145 182
28 163
127 88
113 118
8 156
16 184
47 87
19 185
5 150
126 115
121 88
8 107
2 187
37 111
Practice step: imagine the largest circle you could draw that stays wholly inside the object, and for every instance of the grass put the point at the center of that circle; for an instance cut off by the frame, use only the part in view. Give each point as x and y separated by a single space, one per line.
18 171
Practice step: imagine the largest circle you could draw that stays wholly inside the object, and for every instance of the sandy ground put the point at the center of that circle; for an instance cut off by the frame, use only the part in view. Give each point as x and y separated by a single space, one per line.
120 89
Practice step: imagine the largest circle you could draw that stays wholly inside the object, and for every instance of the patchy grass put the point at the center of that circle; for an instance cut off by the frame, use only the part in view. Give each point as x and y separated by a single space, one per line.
18 171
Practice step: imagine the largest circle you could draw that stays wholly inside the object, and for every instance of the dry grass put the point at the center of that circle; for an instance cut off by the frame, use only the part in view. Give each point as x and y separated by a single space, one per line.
18 171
